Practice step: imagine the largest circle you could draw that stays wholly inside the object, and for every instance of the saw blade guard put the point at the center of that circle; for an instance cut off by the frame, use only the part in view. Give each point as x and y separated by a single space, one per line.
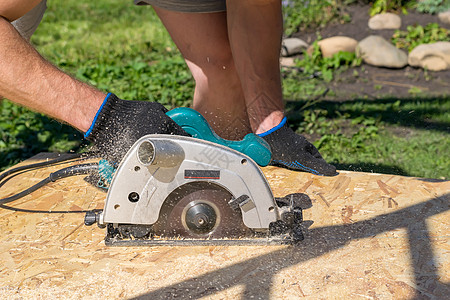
157 165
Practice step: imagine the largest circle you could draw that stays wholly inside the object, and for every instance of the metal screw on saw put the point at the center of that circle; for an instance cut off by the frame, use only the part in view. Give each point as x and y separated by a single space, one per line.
133 197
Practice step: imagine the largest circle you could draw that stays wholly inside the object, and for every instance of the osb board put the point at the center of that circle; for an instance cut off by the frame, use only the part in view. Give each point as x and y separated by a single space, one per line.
370 236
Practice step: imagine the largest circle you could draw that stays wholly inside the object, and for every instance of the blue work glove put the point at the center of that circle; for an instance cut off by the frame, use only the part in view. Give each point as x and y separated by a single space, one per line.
293 151
118 124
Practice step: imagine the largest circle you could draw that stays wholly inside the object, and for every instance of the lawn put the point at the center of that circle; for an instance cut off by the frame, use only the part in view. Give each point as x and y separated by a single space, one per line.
123 48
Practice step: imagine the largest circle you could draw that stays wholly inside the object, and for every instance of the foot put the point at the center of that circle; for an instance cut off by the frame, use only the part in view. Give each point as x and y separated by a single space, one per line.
293 151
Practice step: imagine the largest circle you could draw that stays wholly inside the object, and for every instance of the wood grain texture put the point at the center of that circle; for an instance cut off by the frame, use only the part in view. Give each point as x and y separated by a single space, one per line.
368 236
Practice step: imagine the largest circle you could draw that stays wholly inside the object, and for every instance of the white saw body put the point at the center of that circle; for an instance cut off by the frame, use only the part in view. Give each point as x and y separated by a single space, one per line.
181 190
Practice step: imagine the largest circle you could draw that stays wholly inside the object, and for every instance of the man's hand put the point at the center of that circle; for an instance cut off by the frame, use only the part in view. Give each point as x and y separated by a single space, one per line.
293 151
120 123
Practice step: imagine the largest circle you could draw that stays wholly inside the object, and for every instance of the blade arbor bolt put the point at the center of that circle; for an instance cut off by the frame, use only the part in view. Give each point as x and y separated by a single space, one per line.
201 218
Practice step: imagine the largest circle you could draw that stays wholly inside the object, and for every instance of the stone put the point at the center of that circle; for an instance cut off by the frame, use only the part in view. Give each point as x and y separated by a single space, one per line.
292 46
335 44
385 21
434 57
287 62
376 51
444 17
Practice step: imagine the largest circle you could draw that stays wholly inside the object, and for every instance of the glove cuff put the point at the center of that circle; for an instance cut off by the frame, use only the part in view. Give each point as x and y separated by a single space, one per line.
102 114
274 128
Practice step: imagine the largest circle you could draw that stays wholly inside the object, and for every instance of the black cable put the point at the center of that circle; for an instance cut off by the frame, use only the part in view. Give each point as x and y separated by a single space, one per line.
39 165
49 211
63 173
25 192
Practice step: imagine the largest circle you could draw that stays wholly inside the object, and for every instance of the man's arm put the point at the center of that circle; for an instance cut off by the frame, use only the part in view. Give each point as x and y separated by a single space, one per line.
28 79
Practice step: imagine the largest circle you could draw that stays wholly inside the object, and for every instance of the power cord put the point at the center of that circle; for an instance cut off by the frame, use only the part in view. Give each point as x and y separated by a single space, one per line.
80 169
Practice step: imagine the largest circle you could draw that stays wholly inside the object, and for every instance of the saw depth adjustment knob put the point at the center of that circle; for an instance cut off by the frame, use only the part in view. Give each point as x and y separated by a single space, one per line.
92 217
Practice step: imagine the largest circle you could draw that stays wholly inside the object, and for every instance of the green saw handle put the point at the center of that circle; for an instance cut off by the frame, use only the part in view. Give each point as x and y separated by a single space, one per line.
197 126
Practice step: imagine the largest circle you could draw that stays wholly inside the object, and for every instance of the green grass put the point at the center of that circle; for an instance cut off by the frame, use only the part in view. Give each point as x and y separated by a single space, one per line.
25 133
311 14
417 35
124 49
433 6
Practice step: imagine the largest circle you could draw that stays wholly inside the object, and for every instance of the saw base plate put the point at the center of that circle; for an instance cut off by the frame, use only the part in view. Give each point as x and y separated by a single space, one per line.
116 237
276 240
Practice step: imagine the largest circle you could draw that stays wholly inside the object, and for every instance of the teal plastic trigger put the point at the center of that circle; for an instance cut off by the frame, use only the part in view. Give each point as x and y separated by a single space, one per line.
197 126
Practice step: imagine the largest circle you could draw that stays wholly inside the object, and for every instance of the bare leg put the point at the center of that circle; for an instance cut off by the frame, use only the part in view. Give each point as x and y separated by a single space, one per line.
203 42
255 29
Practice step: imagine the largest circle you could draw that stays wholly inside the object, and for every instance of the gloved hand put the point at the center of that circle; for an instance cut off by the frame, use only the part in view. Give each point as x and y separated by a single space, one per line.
120 123
293 151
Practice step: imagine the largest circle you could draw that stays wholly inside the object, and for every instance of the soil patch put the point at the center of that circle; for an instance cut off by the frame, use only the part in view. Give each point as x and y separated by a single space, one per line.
374 82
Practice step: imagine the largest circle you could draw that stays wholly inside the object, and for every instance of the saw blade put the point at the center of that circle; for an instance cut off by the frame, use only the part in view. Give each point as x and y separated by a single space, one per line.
200 211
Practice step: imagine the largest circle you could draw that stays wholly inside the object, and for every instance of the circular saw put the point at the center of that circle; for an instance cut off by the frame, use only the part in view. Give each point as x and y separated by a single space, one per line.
176 190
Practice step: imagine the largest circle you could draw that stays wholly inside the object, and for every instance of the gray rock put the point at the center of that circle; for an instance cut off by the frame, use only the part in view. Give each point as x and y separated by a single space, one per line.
376 51
385 21
335 44
444 17
292 46
434 57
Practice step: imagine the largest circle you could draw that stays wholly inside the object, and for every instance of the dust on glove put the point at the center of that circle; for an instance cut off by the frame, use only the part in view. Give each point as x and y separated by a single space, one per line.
119 123
293 151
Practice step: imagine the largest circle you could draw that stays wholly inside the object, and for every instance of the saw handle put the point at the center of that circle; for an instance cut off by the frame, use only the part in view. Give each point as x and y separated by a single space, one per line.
197 126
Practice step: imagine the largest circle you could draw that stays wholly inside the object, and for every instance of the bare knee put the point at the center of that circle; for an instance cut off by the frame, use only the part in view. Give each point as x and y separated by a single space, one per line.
13 9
